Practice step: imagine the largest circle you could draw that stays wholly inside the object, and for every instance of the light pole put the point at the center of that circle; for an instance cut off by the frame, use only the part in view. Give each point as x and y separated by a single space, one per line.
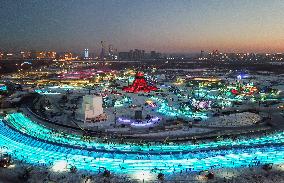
115 117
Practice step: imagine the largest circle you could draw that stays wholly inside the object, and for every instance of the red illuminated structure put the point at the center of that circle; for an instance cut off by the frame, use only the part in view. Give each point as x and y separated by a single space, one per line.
139 85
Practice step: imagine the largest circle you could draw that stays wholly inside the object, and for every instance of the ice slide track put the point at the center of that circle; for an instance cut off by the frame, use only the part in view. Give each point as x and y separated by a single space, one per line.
36 152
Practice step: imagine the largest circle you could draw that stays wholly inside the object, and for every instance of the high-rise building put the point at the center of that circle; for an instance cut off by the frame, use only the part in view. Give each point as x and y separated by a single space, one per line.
123 55
86 53
155 55
138 55
201 54
102 54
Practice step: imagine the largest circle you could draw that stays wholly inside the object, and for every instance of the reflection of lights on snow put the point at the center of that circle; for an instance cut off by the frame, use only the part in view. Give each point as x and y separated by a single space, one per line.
143 176
12 166
279 167
227 174
59 166
201 178
3 151
87 180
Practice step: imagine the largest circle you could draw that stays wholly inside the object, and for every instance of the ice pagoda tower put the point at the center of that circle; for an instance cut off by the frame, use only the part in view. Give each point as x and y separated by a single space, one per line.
139 85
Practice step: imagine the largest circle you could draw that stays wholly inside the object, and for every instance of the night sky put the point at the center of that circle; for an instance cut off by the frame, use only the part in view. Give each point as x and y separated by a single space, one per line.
182 26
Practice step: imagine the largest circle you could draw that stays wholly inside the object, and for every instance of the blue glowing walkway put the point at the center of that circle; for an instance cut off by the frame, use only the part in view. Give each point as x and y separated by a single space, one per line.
39 131
38 152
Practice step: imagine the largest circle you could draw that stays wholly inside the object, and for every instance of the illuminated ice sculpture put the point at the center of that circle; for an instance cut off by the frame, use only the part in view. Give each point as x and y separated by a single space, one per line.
92 109
152 122
139 85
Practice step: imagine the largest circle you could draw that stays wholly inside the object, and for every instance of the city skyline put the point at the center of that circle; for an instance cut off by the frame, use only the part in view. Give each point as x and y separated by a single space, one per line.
165 26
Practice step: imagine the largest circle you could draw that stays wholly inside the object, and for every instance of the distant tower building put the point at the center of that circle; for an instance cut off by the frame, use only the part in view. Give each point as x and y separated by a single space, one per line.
123 56
137 54
86 53
153 55
201 54
102 55
142 54
130 55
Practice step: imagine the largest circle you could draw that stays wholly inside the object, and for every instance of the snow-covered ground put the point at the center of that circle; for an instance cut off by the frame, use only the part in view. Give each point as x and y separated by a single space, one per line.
14 174
233 120
173 101
174 133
